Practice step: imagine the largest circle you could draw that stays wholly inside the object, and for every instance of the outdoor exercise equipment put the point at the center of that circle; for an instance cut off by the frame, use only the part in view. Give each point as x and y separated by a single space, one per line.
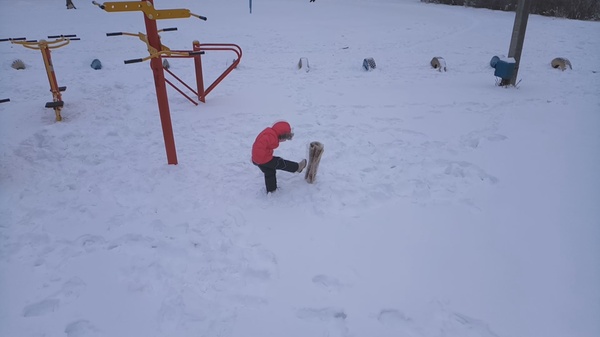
204 47
369 64
155 49
198 49
45 47
505 68
163 54
158 51
561 63
303 64
18 64
96 64
438 63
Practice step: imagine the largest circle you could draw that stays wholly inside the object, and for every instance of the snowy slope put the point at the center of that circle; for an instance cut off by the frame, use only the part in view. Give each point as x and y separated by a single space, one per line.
444 205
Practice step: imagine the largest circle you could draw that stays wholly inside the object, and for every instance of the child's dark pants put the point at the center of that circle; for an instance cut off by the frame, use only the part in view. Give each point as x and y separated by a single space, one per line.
269 169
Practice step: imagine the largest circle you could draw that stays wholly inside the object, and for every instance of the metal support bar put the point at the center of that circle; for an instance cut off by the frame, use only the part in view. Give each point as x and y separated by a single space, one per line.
56 93
161 88
180 81
518 36
214 47
181 92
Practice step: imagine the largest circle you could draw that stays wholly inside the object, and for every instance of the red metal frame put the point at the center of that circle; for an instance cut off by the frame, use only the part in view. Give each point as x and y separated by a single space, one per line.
179 79
179 90
197 46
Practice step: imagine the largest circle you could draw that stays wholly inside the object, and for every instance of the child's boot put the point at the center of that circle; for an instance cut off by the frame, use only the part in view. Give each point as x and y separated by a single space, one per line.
301 165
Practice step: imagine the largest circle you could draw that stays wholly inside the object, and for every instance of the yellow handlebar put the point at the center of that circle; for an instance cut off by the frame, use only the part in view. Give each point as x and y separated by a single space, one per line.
61 42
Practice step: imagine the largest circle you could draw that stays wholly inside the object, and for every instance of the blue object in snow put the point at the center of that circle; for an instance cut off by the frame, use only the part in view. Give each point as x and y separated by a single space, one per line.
505 68
96 64
493 61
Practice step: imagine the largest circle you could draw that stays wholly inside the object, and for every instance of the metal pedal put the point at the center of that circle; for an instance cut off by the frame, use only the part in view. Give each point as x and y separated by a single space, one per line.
54 105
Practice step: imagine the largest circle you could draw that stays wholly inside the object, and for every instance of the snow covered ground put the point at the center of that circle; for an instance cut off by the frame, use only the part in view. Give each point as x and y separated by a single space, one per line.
445 206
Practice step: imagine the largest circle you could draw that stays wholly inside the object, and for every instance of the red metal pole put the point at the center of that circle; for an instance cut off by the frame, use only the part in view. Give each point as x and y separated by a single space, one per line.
199 78
161 89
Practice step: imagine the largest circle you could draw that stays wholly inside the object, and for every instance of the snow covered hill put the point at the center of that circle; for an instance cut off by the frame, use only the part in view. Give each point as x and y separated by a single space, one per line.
445 206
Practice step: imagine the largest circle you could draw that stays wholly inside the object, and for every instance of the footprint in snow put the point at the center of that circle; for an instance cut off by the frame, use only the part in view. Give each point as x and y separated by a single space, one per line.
335 319
397 321
68 293
468 170
327 282
473 139
41 308
323 314
81 328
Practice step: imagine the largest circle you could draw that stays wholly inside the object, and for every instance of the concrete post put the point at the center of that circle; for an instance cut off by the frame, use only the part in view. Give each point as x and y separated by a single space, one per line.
518 36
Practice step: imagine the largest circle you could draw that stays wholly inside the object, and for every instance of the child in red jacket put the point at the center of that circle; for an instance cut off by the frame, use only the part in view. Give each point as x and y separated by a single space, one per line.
262 153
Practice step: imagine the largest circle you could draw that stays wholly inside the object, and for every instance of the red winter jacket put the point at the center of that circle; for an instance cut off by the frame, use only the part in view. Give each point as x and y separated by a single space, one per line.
267 141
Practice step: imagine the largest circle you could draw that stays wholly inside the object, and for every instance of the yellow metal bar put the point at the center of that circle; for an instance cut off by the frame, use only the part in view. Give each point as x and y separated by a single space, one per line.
131 34
163 53
49 69
151 50
58 45
56 96
147 8
169 53
169 14
37 45
127 6
144 39
147 57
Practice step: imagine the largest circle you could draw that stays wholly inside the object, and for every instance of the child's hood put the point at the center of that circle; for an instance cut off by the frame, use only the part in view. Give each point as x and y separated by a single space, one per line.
281 128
